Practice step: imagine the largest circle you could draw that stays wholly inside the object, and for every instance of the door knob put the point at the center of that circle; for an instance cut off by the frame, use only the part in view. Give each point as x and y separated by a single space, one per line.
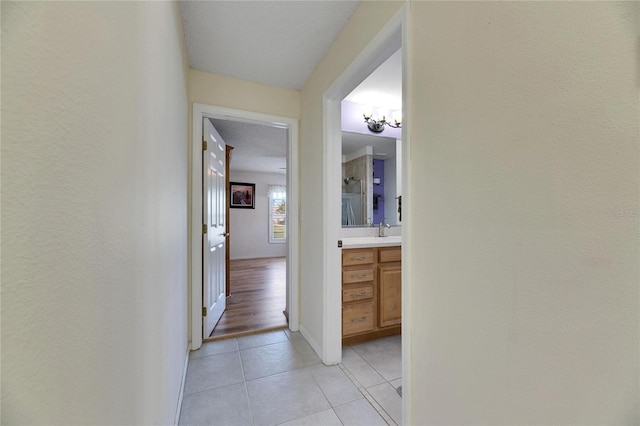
225 234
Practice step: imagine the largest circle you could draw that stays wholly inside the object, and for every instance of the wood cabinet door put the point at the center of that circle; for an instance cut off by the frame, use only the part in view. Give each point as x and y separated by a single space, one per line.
390 291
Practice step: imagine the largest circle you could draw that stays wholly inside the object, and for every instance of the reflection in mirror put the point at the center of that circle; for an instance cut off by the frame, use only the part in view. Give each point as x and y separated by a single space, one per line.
370 150
370 180
353 202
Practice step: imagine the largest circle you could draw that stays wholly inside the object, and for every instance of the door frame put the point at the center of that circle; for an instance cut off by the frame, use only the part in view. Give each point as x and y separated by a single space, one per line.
389 39
200 112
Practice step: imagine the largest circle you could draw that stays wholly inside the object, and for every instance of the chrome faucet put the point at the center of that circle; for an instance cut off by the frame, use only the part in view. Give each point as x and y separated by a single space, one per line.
381 228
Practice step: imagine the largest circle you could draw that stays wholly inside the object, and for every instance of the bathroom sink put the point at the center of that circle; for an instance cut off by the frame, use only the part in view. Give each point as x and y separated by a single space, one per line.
360 242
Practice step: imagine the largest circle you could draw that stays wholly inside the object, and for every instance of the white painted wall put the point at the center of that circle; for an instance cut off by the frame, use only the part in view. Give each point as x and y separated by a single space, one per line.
249 228
224 91
94 212
523 178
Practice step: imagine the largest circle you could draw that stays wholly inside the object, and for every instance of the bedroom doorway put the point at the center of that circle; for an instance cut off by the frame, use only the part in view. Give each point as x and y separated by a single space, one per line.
257 219
201 111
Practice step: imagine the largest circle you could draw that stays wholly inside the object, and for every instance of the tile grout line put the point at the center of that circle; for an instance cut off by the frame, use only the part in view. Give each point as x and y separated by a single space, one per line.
325 396
246 389
372 367
388 416
370 399
291 342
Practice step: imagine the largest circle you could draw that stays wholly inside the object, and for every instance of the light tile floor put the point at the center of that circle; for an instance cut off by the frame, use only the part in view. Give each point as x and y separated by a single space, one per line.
276 378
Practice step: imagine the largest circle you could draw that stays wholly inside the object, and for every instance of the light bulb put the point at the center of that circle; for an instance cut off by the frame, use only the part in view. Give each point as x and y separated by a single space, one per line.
367 112
397 117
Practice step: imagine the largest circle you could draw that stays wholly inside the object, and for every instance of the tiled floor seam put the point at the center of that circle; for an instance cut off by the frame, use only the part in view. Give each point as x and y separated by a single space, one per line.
324 394
385 416
274 374
246 389
210 389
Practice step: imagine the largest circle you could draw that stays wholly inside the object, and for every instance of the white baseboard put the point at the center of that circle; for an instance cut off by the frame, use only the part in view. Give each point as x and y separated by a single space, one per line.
314 345
181 394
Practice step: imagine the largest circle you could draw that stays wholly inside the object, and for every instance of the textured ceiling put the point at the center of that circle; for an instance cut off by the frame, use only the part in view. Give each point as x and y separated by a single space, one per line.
278 43
257 148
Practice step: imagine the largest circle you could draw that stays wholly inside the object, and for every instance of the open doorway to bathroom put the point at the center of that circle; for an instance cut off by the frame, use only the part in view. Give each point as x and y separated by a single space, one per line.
338 99
371 206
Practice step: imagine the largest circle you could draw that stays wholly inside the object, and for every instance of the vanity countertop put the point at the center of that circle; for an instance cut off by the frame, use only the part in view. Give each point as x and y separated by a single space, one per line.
362 242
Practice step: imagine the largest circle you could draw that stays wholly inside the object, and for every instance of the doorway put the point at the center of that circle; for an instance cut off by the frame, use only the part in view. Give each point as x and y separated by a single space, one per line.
383 45
200 112
257 219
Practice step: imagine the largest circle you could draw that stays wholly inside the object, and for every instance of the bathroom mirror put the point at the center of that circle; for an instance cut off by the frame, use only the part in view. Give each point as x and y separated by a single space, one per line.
371 155
370 180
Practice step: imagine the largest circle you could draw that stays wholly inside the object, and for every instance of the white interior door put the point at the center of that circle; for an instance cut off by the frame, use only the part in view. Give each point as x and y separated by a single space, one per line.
214 216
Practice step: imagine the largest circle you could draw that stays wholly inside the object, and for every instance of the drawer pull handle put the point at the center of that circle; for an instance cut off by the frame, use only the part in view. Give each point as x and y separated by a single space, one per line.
359 319
361 293
359 276
358 258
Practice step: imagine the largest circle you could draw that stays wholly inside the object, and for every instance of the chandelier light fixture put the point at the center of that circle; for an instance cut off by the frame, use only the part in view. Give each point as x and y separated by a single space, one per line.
376 124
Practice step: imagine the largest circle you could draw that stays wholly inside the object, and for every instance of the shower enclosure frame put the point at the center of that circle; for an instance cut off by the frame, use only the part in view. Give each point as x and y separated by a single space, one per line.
346 208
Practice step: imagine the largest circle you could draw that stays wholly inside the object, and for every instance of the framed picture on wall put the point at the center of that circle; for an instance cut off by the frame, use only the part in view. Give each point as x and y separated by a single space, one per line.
242 195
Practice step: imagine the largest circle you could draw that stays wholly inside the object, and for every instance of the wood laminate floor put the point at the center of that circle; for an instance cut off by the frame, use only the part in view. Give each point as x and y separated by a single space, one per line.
258 297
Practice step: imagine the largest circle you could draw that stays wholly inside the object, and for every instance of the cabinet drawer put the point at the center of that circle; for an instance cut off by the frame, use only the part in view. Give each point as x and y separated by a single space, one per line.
391 254
357 257
357 275
359 292
357 318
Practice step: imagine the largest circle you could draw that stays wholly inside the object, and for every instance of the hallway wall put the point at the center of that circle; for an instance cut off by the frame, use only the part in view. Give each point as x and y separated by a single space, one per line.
229 92
94 212
524 247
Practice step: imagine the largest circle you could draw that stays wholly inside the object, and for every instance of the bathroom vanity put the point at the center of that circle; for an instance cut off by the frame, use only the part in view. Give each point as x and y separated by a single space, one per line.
371 288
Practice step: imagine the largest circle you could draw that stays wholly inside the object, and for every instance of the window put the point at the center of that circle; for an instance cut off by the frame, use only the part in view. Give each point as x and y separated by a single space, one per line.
277 214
